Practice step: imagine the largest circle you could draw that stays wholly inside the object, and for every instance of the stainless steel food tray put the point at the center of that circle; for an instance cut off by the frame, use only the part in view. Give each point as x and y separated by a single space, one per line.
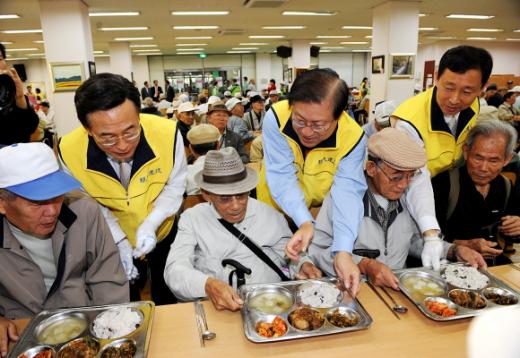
141 335
462 312
250 317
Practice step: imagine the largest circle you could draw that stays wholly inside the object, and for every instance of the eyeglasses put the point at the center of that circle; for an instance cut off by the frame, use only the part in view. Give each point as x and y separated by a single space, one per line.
130 135
398 178
315 127
228 199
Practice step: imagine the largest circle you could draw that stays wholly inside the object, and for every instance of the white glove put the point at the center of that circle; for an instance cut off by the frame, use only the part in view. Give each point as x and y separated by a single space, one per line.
432 251
125 251
146 240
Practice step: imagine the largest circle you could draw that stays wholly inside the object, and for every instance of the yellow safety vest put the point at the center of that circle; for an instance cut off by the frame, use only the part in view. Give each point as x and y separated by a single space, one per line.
315 171
152 164
443 150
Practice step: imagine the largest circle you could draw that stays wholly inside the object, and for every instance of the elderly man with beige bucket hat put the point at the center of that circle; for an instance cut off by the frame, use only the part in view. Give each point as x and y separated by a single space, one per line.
387 233
229 239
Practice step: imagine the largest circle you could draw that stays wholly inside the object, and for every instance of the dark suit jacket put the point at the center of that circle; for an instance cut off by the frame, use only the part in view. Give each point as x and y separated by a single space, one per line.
232 139
145 92
154 95
170 93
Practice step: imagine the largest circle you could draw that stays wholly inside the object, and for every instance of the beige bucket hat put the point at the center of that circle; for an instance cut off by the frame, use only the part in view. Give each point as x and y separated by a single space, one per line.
225 174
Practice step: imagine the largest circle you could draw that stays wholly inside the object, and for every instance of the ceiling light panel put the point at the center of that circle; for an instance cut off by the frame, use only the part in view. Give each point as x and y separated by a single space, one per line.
199 13
266 37
474 17
484 30
357 27
114 13
31 31
193 37
131 28
309 13
196 27
296 27
133 38
8 16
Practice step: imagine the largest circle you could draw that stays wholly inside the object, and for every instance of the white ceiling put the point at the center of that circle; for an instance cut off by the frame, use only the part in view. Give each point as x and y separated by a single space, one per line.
156 16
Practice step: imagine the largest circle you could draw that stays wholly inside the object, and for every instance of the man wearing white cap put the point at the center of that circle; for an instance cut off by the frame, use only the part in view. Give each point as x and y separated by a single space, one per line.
382 115
387 233
235 122
56 250
134 166
230 230
186 118
203 138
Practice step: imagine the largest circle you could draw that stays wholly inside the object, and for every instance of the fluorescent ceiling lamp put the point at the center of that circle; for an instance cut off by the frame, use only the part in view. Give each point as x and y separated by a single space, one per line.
368 36
295 27
198 27
21 49
133 38
484 30
34 31
37 54
357 27
481 38
203 13
180 45
37 41
194 37
115 13
423 15
188 53
353 43
318 43
361 50
238 51
516 30
309 13
131 28
253 43
190 49
142 45
442 37
96 52
17 58
333 47
333 37
7 42
148 50
266 37
244 48
105 55
8 16
513 39
476 17
428 28
149 54
325 50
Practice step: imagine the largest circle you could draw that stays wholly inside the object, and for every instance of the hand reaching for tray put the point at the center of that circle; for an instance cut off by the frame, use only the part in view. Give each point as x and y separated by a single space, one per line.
379 273
8 332
223 296
307 271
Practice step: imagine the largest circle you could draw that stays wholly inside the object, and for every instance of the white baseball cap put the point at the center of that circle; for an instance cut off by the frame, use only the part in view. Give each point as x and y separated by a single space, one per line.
515 89
230 104
186 107
30 170
383 111
227 94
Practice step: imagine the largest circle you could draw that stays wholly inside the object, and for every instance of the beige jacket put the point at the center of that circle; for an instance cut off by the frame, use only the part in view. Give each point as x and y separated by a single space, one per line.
89 270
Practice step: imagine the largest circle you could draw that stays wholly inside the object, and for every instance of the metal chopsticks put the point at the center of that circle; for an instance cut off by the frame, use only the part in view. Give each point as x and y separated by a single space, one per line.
382 299
198 319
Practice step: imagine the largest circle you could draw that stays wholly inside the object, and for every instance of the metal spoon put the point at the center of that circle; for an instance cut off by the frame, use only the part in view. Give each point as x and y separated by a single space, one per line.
206 334
398 308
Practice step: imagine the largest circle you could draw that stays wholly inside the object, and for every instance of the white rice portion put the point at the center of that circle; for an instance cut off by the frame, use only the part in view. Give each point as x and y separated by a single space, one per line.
116 322
319 294
465 277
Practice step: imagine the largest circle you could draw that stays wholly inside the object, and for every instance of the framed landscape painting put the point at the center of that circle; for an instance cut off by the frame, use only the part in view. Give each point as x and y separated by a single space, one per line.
67 76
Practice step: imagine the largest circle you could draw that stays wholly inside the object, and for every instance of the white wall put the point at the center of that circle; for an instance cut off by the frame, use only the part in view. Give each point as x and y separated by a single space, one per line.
351 67
506 55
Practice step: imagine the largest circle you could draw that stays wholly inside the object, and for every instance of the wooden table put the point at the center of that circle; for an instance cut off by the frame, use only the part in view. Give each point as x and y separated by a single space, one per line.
175 333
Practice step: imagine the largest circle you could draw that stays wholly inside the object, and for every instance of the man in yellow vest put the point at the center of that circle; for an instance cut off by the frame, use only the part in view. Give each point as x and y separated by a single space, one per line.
312 147
134 166
439 120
